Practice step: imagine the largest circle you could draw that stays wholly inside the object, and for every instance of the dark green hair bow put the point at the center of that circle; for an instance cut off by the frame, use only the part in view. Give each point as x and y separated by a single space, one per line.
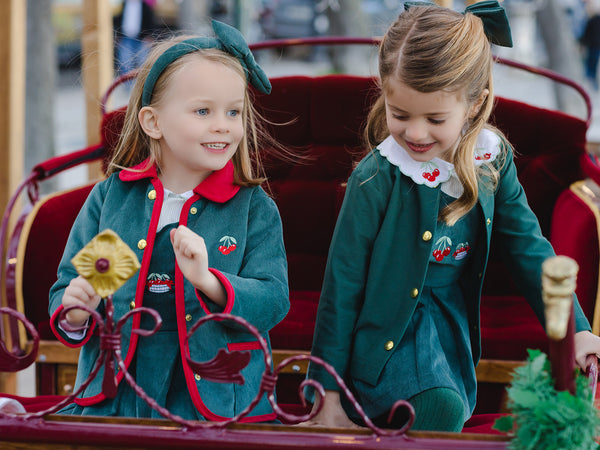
493 16
227 39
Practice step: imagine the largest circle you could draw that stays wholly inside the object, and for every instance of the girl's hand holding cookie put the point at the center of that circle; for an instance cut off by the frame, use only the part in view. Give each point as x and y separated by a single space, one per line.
79 292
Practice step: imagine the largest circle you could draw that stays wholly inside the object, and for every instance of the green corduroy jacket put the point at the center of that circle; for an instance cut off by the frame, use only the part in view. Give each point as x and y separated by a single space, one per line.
379 256
254 275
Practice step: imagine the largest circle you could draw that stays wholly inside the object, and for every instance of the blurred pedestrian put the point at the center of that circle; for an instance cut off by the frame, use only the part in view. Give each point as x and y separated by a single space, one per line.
590 40
134 28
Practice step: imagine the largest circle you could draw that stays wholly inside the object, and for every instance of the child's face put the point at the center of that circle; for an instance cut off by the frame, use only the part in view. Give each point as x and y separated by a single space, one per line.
426 125
200 120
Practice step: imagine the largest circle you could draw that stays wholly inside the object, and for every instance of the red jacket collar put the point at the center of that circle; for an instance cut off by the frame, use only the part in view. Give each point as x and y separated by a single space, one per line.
218 187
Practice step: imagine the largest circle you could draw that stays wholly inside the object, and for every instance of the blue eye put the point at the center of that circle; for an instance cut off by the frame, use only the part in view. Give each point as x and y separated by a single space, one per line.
233 113
202 112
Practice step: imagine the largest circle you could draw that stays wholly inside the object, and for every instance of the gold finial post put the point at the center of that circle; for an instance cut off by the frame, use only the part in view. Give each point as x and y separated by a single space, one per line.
559 275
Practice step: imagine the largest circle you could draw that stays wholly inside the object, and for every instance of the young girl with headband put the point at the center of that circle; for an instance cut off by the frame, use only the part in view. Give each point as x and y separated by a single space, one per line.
398 316
184 193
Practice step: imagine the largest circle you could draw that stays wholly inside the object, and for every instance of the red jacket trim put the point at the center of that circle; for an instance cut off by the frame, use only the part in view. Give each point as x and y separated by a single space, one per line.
182 327
229 292
88 331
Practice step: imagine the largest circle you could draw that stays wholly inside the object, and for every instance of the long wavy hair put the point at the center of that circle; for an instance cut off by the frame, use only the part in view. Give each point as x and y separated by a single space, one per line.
429 49
135 146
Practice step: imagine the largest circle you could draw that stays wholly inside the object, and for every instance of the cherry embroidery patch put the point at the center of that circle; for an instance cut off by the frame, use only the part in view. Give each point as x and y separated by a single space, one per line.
431 171
159 283
461 251
442 248
228 244
485 157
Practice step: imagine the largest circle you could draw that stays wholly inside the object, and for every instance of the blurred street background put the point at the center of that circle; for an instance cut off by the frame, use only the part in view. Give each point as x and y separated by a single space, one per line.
546 33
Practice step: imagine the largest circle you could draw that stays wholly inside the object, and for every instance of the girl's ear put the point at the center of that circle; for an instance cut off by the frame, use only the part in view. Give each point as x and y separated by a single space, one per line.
148 119
477 105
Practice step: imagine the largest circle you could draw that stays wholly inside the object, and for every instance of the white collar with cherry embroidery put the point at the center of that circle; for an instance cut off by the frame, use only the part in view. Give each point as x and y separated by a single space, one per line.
432 173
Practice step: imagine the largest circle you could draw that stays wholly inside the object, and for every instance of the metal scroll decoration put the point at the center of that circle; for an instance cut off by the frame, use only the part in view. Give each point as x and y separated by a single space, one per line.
107 263
12 362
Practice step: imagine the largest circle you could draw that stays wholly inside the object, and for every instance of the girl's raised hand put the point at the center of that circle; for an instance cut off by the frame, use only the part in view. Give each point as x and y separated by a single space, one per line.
192 259
586 344
191 255
79 292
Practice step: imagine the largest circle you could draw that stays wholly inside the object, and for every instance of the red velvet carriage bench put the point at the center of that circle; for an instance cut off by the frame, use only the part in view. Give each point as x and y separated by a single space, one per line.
323 116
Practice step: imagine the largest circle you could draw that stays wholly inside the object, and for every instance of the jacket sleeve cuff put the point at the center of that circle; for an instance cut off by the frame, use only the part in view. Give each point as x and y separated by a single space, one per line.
62 336
230 293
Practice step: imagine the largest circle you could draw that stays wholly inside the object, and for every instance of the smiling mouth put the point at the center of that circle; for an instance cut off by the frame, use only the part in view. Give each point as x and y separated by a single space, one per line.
216 146
419 148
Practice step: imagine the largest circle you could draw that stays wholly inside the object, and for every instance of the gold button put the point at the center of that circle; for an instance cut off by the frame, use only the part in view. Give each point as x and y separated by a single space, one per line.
197 377
142 244
489 221
188 317
480 274
132 305
194 210
427 236
389 345
414 293
152 194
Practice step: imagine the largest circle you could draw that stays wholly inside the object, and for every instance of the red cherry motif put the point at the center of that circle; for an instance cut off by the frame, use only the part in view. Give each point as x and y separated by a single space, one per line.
431 176
226 250
442 248
229 245
487 156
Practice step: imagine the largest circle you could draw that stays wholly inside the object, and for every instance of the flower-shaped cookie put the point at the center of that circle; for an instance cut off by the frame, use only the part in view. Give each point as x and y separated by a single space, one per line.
106 262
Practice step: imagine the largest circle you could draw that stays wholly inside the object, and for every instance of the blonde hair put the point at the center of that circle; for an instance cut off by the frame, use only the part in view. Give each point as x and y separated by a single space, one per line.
429 49
135 146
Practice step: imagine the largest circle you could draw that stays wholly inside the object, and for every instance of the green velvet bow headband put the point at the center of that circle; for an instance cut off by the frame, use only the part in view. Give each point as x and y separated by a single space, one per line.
227 39
493 16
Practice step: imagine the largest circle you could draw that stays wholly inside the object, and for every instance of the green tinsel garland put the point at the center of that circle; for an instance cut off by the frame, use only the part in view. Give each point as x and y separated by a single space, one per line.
542 417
